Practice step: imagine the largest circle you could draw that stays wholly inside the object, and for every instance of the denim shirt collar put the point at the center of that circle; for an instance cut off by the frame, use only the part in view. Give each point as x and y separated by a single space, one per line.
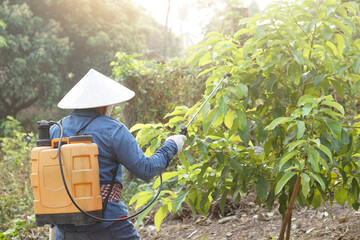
86 112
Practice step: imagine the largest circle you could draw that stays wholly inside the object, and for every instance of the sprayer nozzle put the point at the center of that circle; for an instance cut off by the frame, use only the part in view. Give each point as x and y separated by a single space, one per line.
227 75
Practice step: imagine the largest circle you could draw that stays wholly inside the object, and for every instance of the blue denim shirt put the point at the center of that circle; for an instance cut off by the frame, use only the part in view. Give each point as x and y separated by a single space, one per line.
117 148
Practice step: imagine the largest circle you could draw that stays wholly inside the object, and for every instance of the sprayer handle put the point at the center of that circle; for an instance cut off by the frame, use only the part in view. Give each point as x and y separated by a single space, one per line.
183 130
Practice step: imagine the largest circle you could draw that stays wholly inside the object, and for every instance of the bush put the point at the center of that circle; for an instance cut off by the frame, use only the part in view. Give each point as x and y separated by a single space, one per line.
15 166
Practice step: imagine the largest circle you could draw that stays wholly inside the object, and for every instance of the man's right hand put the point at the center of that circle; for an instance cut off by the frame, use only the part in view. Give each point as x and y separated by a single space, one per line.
178 140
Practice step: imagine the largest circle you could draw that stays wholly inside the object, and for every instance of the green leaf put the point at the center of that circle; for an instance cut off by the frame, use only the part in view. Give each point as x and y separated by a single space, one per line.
327 34
260 29
176 119
222 104
262 188
176 204
204 168
351 6
316 201
341 196
242 119
301 129
298 56
137 127
314 158
305 99
213 40
306 109
325 150
241 32
276 122
318 179
335 105
192 206
295 72
223 200
2 24
280 185
356 65
142 200
144 213
346 30
137 195
334 127
305 184
179 110
193 60
206 110
287 157
166 176
160 215
236 165
205 59
295 144
240 90
229 119
340 44
210 119
318 79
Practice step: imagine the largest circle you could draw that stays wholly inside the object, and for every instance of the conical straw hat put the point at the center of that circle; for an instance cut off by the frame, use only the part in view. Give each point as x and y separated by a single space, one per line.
95 90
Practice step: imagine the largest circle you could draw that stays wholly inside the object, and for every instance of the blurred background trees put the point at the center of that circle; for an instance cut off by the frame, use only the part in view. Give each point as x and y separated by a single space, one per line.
52 44
32 61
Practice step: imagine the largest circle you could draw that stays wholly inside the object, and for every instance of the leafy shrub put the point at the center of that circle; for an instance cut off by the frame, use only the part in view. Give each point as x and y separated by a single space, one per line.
24 228
15 167
292 96
159 87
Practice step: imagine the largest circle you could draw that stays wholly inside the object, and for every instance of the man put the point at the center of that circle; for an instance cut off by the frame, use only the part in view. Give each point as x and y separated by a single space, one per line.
92 98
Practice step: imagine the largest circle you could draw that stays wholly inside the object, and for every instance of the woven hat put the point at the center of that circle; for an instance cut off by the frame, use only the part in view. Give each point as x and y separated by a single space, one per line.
95 90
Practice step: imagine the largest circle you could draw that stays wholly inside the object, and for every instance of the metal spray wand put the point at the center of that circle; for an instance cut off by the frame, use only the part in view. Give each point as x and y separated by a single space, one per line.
183 130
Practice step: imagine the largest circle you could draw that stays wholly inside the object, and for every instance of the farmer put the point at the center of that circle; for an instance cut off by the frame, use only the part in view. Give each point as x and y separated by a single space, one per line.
93 98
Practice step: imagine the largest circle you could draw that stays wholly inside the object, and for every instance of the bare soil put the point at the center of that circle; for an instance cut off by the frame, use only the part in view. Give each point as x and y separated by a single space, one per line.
245 220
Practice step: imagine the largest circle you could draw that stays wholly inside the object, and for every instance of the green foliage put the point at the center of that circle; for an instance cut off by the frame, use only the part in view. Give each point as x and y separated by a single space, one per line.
15 167
2 39
32 61
19 228
289 110
157 87
52 44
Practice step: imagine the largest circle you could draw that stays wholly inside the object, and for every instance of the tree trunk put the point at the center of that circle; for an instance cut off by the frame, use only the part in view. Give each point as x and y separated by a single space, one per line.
166 32
288 213
130 114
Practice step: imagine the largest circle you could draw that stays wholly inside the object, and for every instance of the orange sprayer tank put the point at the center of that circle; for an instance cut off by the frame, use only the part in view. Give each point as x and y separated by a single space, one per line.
52 204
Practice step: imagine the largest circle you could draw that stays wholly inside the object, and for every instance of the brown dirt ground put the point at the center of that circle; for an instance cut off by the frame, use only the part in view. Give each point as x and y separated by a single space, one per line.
246 221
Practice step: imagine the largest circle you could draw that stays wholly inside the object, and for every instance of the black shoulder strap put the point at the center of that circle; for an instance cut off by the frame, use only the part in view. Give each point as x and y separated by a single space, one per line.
87 124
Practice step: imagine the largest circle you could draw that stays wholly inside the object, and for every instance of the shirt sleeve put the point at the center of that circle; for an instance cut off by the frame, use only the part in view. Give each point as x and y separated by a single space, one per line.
130 155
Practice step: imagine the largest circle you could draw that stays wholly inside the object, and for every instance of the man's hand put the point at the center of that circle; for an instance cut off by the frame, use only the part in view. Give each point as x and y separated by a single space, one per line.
179 140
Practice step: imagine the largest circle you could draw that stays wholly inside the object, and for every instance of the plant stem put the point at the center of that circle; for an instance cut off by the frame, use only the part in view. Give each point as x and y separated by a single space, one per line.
288 230
290 206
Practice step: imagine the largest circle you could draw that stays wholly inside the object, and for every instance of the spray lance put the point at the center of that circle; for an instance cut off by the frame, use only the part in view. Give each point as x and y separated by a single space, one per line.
183 130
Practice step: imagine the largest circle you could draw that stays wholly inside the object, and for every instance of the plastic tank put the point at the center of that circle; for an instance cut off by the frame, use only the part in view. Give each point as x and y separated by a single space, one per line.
52 205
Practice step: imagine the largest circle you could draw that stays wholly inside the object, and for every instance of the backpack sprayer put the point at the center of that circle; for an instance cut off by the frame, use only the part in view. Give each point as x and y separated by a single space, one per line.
53 201
77 159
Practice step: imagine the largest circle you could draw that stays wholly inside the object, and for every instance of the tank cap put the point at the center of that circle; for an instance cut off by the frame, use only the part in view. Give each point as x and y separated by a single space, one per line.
82 137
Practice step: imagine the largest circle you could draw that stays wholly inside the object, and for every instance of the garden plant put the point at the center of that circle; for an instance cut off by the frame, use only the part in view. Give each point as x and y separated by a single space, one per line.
284 125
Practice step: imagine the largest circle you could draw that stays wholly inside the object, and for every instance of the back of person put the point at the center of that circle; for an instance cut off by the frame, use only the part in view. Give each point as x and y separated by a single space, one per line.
117 148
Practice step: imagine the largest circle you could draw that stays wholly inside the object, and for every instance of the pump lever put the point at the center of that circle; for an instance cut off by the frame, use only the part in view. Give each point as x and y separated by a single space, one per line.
183 130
